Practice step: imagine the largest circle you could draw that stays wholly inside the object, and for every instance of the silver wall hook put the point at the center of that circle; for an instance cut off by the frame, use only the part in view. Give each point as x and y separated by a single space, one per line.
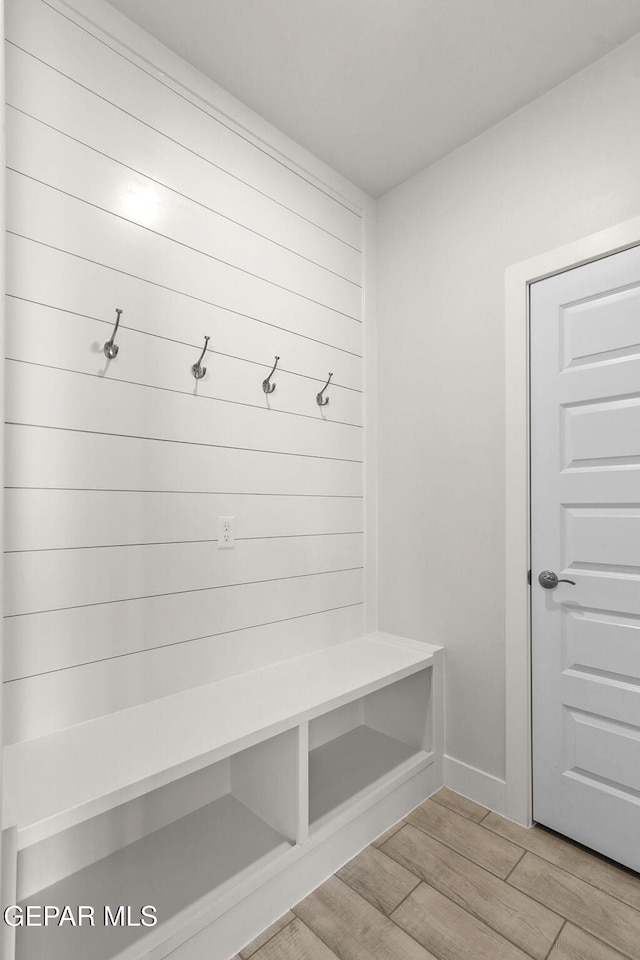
319 400
111 348
197 369
267 386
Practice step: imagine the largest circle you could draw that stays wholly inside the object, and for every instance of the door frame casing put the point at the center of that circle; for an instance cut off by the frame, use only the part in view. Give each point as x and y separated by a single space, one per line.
518 278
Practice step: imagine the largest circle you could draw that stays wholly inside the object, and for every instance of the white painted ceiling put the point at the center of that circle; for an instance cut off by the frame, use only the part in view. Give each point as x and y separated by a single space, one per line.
379 89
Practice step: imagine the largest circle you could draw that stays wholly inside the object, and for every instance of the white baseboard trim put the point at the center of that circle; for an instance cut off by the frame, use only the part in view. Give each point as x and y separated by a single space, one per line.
475 784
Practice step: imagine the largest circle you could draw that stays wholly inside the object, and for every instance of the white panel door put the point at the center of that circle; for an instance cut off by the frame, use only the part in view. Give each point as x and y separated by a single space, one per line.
585 501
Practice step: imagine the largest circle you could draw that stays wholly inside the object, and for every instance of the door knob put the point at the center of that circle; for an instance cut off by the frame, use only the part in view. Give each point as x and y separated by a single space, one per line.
548 579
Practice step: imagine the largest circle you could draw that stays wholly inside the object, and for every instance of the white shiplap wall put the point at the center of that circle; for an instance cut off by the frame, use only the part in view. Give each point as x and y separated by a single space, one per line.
127 191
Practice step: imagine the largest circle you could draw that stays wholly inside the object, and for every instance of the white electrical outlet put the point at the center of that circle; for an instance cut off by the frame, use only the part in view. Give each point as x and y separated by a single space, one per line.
226 533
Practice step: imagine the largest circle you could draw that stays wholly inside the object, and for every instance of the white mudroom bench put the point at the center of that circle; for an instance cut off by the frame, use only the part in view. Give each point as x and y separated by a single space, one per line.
221 805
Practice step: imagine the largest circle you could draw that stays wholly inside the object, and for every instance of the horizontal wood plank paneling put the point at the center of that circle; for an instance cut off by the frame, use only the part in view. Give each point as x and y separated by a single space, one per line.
45 396
55 39
45 214
126 191
46 94
53 158
55 338
43 704
71 283
61 519
47 642
53 580
42 457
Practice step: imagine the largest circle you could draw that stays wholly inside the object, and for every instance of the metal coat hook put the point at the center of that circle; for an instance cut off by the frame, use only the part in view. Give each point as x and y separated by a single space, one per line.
267 386
319 400
111 348
197 369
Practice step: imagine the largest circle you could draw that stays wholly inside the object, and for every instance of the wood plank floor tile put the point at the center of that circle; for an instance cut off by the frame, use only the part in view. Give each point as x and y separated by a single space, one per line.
515 916
271 931
388 833
619 882
485 848
575 944
352 928
379 879
295 942
596 912
453 882
450 932
466 808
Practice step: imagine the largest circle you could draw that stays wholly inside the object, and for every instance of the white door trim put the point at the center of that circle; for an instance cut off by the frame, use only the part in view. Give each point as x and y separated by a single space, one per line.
517 506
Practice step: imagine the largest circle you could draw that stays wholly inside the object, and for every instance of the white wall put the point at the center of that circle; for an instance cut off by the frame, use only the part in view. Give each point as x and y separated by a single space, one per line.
136 183
561 168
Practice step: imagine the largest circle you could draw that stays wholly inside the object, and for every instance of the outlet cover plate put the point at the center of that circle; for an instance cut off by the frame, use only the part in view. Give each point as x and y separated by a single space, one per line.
226 533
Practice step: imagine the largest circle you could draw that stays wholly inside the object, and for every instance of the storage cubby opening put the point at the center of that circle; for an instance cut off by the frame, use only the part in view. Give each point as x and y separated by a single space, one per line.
358 746
176 848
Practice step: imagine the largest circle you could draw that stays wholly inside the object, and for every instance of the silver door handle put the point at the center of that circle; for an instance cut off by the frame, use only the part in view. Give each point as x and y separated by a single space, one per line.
548 579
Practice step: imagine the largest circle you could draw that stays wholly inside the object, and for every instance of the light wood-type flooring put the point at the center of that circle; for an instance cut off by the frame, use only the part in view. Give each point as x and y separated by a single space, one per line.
455 881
